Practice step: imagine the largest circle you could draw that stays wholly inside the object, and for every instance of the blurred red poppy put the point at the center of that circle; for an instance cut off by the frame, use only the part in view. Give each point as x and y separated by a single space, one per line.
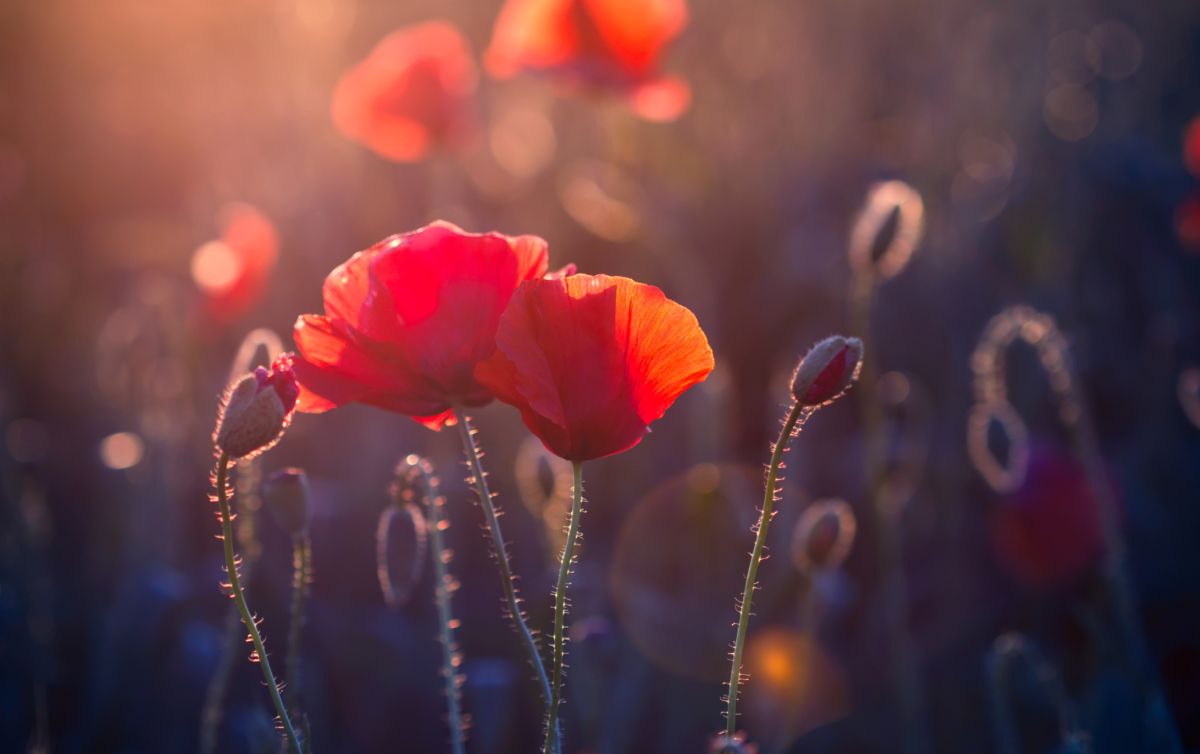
406 321
1187 222
591 360
612 45
232 271
1191 146
1048 532
411 94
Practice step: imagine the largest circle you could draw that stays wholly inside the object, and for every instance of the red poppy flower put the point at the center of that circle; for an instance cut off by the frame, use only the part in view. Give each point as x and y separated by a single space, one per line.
406 321
591 360
411 94
603 44
1048 532
232 271
1191 146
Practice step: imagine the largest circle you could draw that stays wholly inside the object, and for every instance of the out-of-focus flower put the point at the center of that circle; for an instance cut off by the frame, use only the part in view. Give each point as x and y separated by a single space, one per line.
406 321
827 370
1191 146
724 743
591 361
232 271
257 409
607 45
1187 221
411 94
1048 531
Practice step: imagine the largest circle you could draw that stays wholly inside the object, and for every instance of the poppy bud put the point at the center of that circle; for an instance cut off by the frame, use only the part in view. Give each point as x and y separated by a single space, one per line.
888 229
257 409
824 535
727 744
286 494
827 371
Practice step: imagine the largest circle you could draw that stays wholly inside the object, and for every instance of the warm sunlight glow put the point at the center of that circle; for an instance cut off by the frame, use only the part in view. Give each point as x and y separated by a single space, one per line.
215 267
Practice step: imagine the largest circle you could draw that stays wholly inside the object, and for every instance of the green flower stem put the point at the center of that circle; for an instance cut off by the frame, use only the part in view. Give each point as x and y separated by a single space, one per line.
560 609
506 576
443 590
893 584
239 597
796 417
248 504
301 576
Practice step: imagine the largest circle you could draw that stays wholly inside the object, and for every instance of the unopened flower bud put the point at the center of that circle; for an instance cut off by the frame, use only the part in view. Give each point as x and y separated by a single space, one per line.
257 409
827 371
824 535
286 494
888 229
727 744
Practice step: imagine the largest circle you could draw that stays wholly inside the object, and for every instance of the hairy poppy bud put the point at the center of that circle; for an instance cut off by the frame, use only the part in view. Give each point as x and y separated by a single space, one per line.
257 409
824 535
286 494
827 370
727 744
888 229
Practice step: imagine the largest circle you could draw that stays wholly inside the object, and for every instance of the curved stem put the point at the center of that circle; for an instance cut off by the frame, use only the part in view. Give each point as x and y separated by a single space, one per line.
796 416
560 609
301 573
445 585
235 588
506 576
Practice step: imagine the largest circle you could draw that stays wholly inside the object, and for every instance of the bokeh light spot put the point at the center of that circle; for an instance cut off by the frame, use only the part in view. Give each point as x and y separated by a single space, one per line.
215 267
121 450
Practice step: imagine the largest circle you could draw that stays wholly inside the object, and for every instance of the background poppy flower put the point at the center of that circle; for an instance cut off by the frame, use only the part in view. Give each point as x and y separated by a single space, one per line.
411 94
591 360
232 272
604 44
406 321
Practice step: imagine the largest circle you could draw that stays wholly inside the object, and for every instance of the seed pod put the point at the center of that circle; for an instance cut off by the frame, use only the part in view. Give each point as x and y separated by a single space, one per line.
286 495
824 535
827 371
888 229
400 550
257 409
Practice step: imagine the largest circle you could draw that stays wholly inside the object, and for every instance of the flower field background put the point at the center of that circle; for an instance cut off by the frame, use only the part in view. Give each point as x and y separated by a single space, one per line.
987 545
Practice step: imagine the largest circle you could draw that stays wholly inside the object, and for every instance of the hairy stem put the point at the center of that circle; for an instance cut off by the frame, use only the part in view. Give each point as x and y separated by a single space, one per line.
301 575
795 418
239 597
442 592
506 576
893 584
560 610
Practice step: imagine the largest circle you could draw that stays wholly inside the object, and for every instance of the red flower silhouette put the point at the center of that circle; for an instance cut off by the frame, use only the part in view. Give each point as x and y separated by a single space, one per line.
611 45
406 321
1048 532
411 94
591 360
233 271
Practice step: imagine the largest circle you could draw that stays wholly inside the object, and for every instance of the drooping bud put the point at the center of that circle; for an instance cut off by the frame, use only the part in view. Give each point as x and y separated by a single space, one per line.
827 370
724 743
286 495
257 409
888 229
400 550
824 535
